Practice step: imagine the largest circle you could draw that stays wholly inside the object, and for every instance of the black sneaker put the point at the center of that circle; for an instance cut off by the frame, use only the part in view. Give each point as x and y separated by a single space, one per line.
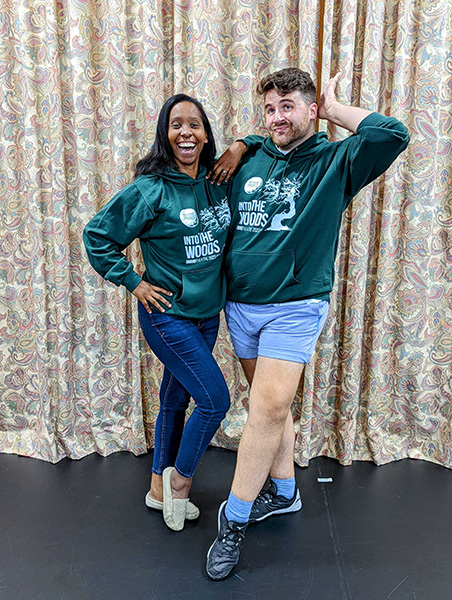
268 503
224 553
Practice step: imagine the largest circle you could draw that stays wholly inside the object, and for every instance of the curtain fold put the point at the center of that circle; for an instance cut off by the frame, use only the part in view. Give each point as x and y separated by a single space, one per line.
82 82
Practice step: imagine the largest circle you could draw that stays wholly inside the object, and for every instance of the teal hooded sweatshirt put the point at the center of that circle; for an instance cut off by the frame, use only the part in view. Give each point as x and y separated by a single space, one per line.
182 238
287 209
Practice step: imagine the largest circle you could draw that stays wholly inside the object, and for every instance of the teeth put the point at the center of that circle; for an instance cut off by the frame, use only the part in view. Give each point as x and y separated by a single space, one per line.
186 145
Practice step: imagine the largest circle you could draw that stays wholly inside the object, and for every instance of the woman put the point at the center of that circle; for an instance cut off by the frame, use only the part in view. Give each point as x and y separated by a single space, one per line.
181 221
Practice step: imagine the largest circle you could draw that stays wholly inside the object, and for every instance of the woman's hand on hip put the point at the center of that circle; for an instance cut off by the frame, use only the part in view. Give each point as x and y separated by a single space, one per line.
150 295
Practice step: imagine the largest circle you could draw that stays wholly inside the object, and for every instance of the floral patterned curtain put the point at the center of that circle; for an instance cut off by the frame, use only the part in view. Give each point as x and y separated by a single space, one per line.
81 85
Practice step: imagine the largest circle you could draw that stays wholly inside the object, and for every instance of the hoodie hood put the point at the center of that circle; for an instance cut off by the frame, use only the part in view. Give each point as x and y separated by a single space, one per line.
310 146
182 178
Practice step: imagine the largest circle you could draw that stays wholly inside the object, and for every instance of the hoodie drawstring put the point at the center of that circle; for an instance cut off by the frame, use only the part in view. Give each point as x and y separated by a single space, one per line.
195 197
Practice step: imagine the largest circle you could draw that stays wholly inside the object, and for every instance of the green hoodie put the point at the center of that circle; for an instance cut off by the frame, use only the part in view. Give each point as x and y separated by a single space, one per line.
181 236
287 209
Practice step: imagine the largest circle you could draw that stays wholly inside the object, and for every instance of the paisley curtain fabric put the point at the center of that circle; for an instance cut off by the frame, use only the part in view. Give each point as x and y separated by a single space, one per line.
81 85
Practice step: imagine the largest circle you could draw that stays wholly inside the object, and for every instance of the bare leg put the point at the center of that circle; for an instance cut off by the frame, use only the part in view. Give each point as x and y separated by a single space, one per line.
272 392
248 366
283 466
156 490
180 486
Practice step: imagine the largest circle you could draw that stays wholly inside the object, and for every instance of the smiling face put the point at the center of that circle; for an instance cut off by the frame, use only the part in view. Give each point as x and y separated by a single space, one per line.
187 136
289 119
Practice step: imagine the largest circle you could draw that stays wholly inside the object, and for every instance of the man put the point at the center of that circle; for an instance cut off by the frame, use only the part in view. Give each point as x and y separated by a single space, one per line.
287 202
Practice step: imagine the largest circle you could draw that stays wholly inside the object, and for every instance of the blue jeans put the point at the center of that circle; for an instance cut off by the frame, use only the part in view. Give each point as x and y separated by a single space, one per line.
185 346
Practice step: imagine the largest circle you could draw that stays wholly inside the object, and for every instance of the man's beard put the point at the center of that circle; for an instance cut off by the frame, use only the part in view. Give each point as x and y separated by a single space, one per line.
292 136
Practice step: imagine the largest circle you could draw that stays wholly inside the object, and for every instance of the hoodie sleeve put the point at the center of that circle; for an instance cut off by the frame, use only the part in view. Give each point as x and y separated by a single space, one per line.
377 143
112 229
252 142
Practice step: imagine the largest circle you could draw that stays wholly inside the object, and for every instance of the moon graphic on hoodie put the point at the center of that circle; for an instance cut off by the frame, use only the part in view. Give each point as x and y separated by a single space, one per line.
189 217
253 184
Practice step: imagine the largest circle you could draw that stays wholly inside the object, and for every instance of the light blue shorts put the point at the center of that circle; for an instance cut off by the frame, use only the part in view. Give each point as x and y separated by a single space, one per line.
288 330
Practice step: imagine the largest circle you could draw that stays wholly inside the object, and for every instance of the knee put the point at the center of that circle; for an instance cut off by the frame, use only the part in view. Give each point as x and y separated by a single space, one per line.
176 405
218 401
180 405
271 413
221 400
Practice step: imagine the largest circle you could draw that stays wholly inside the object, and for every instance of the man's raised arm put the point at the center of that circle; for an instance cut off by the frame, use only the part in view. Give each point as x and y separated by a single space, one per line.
348 117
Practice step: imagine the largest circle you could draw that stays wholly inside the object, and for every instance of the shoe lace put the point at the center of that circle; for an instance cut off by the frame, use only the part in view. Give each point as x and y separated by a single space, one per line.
232 538
265 497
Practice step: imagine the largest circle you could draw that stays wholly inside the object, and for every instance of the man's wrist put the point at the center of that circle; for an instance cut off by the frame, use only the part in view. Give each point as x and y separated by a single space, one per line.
333 113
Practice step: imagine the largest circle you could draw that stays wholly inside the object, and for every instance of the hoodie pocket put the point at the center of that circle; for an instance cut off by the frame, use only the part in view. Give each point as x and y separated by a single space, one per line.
263 273
203 291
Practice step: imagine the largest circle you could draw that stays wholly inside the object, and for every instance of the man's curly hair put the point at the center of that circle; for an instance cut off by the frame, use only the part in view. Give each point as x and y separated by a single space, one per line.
288 80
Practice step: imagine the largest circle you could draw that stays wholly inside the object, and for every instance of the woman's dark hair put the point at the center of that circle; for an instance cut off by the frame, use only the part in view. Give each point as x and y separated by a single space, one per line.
160 157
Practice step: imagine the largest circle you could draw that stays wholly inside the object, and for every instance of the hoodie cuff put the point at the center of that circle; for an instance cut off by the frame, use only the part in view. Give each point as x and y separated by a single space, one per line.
252 141
131 280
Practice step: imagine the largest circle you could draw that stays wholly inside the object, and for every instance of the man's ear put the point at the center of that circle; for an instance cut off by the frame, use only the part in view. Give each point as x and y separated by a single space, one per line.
313 110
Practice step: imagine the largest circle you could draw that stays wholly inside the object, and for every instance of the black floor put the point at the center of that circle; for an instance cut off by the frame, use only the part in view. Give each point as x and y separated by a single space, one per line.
79 530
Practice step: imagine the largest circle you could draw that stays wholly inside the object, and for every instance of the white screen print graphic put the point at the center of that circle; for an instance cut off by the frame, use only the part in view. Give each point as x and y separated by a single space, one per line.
216 218
203 246
281 192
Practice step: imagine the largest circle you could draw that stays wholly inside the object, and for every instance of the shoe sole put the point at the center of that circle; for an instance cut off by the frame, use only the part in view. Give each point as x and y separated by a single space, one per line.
295 507
208 553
